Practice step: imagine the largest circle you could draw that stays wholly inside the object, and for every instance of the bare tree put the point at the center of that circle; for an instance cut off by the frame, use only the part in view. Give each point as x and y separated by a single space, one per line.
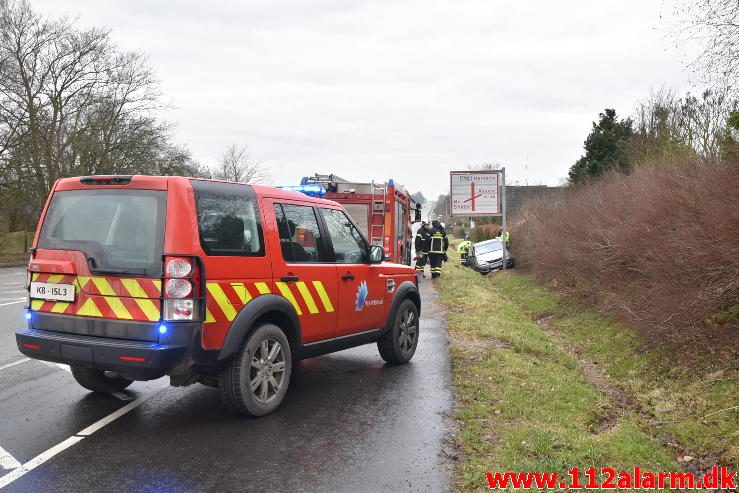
714 25
236 165
72 104
669 128
489 166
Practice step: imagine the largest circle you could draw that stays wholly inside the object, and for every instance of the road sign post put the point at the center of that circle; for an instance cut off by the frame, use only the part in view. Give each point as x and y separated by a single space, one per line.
503 207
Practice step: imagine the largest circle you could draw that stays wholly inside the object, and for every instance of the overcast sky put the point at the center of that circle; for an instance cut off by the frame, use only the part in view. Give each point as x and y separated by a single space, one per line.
395 89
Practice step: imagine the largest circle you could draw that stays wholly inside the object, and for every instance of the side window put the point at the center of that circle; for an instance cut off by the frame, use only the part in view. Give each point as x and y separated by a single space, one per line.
228 220
300 238
349 245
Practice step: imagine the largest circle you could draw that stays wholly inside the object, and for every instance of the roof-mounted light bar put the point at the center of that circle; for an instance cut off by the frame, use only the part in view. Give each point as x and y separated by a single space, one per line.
310 190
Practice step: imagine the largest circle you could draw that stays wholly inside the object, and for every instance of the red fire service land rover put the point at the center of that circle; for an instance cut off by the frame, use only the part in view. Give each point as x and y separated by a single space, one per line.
226 284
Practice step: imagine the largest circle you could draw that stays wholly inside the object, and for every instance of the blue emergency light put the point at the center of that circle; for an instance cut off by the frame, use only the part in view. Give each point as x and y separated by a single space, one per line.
310 190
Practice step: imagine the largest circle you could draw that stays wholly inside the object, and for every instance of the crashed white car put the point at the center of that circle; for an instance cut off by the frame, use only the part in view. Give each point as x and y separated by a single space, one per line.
487 256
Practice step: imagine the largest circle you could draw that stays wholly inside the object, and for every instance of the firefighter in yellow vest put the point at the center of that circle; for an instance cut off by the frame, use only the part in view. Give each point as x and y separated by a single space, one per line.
507 237
463 249
422 247
438 245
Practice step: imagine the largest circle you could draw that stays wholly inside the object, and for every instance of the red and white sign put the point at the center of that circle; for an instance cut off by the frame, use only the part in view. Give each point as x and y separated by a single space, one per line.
475 193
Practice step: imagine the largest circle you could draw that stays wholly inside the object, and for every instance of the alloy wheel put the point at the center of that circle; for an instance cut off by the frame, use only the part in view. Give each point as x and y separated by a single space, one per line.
267 370
408 330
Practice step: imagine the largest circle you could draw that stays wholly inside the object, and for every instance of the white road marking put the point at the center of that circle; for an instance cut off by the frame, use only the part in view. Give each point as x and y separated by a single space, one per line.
37 461
7 461
122 396
13 302
9 365
58 366
32 464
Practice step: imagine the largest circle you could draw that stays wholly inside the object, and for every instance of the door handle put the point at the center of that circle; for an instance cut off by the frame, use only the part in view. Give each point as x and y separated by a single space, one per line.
347 277
289 278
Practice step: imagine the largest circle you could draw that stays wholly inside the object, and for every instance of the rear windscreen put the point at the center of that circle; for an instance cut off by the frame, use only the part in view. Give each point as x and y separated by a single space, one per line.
119 231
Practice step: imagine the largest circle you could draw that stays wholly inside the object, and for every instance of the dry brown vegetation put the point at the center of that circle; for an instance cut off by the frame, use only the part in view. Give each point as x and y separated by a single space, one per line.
659 247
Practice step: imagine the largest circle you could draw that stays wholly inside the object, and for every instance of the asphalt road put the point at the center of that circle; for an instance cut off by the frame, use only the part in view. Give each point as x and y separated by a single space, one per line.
348 423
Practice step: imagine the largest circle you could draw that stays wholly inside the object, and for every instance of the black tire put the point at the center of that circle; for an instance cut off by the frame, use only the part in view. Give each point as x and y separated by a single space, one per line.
97 381
251 366
395 347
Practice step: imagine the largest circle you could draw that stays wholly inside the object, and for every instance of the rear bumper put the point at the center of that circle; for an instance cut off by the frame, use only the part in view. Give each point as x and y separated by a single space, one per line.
137 359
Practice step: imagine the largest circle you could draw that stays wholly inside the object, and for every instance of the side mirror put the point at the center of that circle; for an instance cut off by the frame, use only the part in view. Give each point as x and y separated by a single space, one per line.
417 217
376 254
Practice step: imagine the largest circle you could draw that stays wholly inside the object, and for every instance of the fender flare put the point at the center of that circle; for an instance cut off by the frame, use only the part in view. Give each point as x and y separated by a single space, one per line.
244 322
406 290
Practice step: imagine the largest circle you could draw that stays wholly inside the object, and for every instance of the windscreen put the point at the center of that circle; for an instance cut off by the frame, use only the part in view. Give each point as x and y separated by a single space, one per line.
488 247
119 231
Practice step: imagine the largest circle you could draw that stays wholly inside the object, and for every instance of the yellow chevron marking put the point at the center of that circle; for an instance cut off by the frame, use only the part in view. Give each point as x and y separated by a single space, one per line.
34 276
36 304
59 307
262 287
209 317
89 309
82 281
241 292
158 284
118 308
149 308
318 285
307 297
220 298
102 284
55 279
134 288
285 290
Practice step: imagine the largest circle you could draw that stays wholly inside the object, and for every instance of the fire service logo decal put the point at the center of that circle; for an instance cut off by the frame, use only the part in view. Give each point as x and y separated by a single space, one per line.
362 292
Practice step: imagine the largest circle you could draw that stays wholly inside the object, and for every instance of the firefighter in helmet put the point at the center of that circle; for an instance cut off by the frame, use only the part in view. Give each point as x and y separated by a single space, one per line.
422 247
438 245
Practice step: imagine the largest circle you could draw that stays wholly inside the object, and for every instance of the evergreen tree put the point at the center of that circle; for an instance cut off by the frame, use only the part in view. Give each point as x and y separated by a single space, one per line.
604 148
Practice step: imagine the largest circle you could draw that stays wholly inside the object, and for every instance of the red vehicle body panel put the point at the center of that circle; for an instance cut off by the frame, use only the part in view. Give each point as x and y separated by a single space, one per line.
324 301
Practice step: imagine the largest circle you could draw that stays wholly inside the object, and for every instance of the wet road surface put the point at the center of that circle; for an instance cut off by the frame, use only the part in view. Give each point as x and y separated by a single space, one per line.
349 423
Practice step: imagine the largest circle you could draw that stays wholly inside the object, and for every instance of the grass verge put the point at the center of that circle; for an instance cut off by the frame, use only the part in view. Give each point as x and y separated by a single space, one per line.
543 385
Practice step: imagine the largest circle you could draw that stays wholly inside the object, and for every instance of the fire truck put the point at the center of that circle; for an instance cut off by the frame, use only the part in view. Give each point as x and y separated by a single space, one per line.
382 210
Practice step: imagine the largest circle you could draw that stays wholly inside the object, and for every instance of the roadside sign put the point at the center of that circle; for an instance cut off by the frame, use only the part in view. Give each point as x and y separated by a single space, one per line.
475 193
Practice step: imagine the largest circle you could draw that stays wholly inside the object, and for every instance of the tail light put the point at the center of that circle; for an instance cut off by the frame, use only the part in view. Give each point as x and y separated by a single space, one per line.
182 289
387 245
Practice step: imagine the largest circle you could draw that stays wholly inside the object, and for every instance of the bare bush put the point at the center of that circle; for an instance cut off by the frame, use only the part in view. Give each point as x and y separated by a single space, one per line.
659 247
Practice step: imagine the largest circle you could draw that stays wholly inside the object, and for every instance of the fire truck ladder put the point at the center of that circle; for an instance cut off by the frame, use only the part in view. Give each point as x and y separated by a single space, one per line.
377 224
